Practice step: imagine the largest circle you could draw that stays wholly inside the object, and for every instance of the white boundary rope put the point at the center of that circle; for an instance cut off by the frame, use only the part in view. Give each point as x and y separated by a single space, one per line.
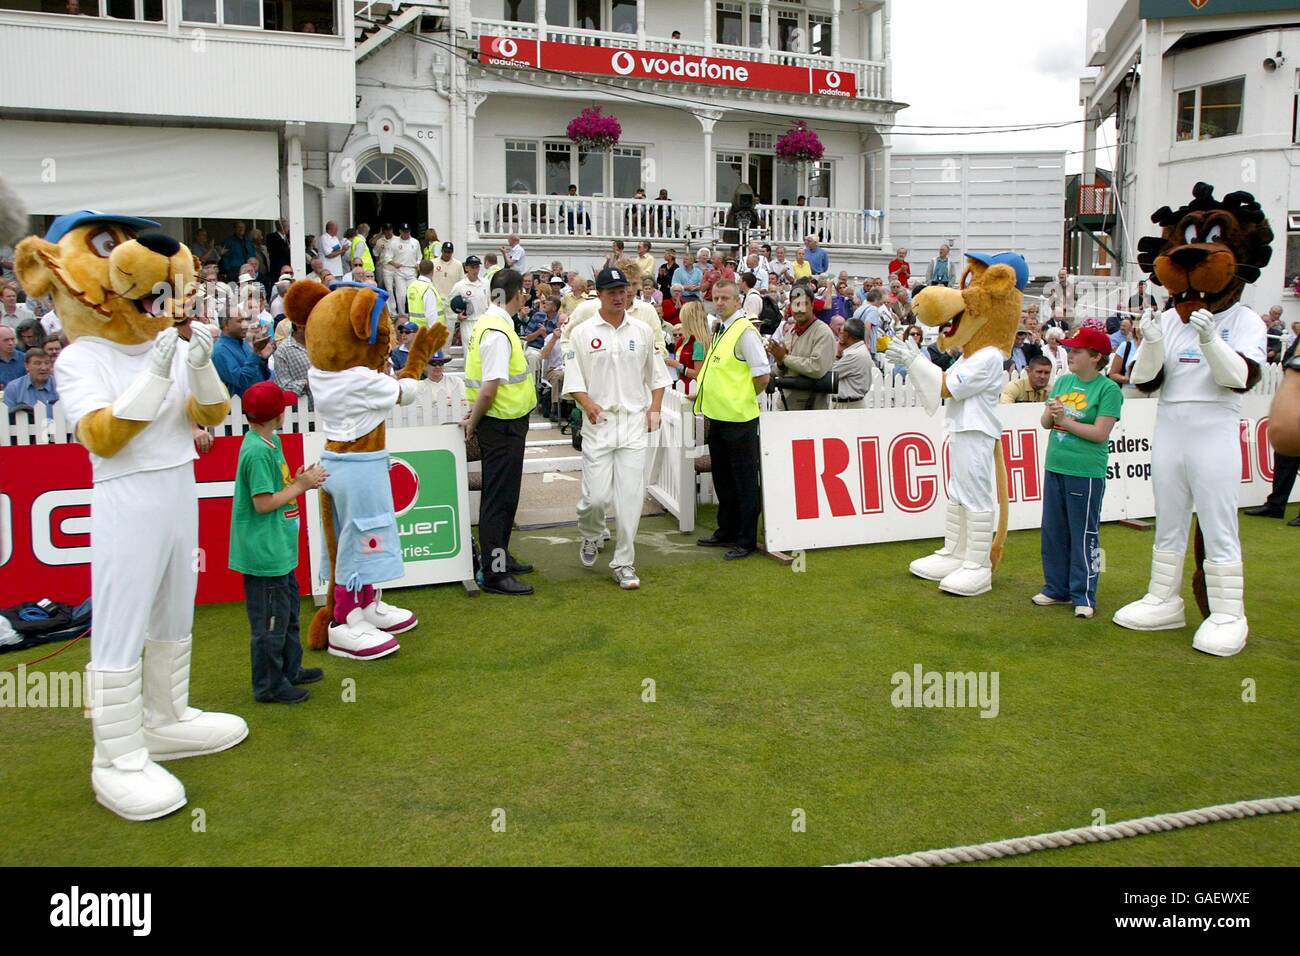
1098 834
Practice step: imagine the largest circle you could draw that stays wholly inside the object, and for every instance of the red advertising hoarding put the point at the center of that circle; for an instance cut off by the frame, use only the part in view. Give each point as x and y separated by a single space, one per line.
45 495
517 52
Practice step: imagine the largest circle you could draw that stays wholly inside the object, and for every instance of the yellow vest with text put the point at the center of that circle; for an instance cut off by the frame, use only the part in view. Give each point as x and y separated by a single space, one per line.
725 388
516 396
361 253
415 302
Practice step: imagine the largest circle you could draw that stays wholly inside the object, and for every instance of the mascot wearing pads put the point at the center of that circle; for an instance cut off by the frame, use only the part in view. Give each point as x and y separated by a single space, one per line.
131 387
981 319
1202 354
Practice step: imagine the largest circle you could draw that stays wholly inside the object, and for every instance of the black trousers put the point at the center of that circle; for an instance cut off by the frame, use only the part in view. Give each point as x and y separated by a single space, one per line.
501 441
1284 474
733 448
273 605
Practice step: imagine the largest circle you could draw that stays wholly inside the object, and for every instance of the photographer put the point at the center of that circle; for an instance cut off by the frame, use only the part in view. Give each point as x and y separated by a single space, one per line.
809 353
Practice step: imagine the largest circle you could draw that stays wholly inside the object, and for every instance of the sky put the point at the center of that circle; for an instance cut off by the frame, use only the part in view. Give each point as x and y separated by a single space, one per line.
995 62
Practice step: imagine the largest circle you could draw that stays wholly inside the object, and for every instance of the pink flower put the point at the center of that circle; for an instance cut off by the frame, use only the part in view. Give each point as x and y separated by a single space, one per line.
593 130
800 145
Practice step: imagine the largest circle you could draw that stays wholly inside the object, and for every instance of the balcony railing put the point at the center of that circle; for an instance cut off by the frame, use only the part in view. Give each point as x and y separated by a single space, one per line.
601 218
871 75
1096 201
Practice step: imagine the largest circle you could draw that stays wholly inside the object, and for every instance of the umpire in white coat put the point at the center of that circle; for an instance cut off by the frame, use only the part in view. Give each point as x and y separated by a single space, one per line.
614 373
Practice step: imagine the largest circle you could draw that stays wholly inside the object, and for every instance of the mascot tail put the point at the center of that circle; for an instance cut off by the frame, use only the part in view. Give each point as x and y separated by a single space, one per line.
1198 576
1000 539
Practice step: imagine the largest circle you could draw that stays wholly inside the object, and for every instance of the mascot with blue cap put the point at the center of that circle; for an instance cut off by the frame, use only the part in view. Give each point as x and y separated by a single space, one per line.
981 319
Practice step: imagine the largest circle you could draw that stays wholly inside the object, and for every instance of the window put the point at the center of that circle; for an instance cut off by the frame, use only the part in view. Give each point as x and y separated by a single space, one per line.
587 14
762 140
1292 273
559 168
727 30
386 171
627 162
819 32
774 183
521 167
231 13
727 167
1295 112
788 35
622 16
819 183
525 11
1210 111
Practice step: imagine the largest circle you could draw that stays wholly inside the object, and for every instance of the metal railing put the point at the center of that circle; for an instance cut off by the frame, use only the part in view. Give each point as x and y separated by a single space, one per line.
599 217
1096 201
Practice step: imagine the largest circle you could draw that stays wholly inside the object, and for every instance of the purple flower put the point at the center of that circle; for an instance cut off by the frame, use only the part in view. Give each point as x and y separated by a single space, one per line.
593 130
800 145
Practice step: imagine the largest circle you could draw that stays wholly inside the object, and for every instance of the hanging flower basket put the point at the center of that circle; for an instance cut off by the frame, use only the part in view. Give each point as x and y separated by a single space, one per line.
594 131
800 145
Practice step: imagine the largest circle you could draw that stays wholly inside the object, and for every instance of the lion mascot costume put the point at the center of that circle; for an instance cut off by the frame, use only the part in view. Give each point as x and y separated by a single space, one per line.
1202 354
131 387
349 334
981 319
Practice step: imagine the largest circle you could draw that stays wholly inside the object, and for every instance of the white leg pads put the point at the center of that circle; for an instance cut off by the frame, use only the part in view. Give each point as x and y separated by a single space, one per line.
940 564
172 728
1224 632
975 576
123 777
1161 609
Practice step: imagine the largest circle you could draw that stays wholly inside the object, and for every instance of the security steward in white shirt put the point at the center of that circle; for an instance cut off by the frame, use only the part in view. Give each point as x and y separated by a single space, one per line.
614 373
499 385
734 374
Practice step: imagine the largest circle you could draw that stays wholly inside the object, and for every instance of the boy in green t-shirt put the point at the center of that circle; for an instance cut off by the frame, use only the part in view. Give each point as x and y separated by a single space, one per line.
1081 411
264 546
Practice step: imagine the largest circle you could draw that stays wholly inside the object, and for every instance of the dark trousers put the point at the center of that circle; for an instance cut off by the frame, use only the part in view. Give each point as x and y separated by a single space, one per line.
273 618
733 449
1284 473
1070 536
501 441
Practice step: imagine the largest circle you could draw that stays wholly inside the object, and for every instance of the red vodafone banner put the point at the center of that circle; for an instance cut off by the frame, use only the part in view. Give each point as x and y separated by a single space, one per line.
655 65
861 476
45 495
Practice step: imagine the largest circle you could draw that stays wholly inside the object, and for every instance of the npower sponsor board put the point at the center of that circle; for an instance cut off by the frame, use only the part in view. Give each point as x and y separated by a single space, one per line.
517 52
430 484
861 476
45 497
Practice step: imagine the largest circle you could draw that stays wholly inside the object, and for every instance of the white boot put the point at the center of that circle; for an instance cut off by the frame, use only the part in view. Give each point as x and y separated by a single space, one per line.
1162 607
975 576
172 728
1223 633
359 639
123 777
940 564
385 617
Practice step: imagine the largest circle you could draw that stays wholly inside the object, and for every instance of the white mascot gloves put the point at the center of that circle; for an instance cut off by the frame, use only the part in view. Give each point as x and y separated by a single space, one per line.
925 376
408 389
1151 353
143 397
1229 368
205 384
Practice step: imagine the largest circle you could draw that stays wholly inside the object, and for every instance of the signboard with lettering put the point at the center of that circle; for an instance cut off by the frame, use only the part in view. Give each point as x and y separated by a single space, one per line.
518 52
1170 9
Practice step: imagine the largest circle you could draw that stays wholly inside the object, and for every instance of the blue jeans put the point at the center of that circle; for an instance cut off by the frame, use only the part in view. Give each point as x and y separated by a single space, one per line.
1071 529
273 618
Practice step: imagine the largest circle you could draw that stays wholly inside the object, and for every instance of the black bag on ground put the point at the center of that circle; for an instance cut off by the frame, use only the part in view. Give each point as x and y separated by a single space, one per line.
44 622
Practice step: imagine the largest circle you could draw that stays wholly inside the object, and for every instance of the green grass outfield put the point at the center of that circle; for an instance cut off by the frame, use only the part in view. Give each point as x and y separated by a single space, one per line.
773 693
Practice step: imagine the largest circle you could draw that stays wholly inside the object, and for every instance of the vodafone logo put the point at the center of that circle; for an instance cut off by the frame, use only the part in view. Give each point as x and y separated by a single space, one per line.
833 80
623 63
406 486
595 344
505 46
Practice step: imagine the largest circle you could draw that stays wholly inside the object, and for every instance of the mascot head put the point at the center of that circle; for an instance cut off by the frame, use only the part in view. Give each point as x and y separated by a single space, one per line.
985 310
107 280
348 325
1208 250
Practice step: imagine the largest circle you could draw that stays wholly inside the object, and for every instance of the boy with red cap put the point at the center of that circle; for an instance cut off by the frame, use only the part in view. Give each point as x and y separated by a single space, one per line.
264 527
1081 410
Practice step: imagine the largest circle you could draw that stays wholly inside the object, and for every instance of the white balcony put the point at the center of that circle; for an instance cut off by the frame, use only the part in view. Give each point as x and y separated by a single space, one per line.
176 68
599 218
871 77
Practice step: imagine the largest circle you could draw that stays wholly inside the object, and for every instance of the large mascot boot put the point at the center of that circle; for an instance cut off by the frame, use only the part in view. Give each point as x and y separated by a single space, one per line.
384 616
1162 607
124 778
975 576
172 728
940 564
1223 633
359 639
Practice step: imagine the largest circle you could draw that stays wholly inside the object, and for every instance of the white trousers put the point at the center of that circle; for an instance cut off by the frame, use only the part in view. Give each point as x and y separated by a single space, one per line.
613 471
144 560
1196 465
972 483
389 282
400 282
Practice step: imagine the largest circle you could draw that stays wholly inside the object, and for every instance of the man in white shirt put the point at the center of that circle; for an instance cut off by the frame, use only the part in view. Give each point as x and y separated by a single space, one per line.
779 268
474 291
753 299
403 257
330 247
514 254
381 257
853 367
613 372
756 264
447 271
447 391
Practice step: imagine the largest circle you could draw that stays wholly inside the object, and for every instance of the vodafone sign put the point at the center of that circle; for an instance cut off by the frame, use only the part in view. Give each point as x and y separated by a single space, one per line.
517 53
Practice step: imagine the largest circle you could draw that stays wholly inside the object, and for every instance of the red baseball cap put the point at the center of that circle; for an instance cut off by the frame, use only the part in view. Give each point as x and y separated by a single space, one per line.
1089 338
265 401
